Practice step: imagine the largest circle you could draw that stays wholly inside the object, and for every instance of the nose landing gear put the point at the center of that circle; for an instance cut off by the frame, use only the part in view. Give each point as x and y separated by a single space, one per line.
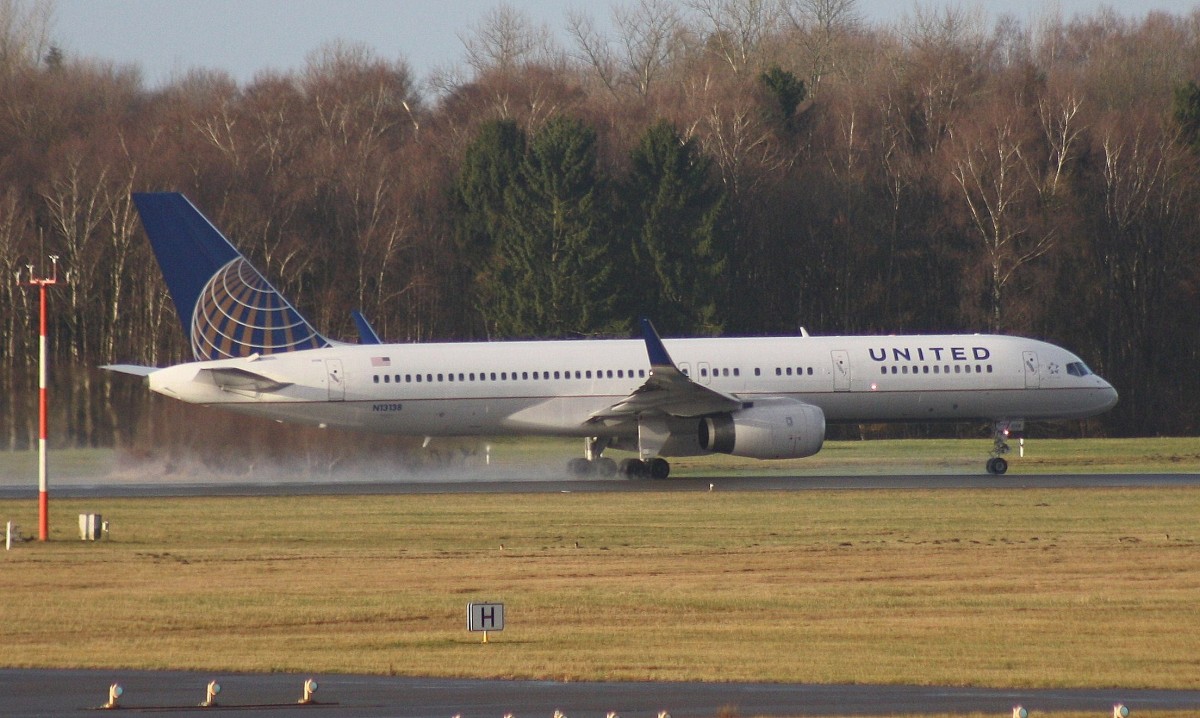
998 465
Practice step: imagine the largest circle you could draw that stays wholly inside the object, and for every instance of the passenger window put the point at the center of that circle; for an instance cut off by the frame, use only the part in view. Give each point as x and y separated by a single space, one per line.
376 378
778 371
810 371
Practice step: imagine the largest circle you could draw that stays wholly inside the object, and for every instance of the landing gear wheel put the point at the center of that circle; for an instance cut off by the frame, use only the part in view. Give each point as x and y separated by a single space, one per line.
658 468
604 467
579 467
997 465
632 468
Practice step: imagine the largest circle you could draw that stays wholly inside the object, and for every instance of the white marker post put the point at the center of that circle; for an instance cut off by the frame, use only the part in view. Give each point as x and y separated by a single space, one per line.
485 617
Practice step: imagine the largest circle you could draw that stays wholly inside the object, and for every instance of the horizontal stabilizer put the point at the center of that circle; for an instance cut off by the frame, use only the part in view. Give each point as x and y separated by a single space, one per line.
134 369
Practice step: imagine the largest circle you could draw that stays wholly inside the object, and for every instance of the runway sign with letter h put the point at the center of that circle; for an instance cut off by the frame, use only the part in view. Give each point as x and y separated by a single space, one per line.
485 617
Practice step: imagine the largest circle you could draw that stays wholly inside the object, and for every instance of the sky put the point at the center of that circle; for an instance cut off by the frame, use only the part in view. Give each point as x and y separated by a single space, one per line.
165 38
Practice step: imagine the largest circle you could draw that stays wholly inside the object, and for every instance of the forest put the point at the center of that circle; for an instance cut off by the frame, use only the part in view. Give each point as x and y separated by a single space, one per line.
725 167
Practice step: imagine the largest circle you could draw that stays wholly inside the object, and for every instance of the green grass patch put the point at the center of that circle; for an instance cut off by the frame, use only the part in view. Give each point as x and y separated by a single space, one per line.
1028 588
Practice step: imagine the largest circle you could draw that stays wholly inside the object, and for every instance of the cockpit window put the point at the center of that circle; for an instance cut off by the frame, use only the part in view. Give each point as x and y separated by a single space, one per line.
1078 368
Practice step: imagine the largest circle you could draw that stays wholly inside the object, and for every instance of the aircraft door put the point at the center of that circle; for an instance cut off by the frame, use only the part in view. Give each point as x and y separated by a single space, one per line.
841 370
334 380
1033 375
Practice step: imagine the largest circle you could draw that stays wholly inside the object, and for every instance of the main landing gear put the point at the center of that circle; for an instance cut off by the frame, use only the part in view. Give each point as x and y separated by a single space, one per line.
593 464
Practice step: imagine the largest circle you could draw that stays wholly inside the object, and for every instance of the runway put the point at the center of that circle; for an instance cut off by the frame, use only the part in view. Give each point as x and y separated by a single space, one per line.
58 693
351 487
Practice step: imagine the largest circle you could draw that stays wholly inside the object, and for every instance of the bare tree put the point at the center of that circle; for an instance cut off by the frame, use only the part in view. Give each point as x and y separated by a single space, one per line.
737 30
24 33
1062 129
989 171
649 36
505 39
821 24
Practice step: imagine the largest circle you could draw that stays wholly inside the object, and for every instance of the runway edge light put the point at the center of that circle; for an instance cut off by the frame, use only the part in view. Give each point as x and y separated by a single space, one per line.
1120 711
210 694
1020 712
310 687
114 696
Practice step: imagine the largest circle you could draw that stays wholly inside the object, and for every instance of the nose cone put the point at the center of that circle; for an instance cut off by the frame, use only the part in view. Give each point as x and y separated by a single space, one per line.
1105 396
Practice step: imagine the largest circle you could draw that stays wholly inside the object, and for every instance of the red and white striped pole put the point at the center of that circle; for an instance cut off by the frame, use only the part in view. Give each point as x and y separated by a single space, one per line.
43 422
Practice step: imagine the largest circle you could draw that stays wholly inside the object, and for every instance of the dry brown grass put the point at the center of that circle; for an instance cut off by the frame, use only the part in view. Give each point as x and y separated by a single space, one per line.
1001 588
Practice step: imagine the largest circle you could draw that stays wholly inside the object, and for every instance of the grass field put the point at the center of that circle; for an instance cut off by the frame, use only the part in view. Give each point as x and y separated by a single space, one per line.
1036 588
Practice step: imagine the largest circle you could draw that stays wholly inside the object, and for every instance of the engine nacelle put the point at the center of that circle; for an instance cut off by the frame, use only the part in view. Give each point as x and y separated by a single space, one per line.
783 430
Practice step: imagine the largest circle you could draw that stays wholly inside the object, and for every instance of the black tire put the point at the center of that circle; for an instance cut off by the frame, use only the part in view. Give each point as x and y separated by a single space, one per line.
632 468
579 467
997 466
658 468
604 467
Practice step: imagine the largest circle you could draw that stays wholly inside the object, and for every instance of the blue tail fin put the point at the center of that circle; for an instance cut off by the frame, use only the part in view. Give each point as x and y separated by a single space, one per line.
225 305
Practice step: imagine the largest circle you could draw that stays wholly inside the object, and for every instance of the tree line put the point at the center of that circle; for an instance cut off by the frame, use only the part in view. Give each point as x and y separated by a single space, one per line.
735 168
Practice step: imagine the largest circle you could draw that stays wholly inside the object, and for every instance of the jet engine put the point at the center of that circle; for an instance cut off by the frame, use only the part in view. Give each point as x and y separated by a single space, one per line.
779 430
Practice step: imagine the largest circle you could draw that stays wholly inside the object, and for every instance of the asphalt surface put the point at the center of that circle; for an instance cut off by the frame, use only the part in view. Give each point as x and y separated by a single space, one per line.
62 693
77 489
67 692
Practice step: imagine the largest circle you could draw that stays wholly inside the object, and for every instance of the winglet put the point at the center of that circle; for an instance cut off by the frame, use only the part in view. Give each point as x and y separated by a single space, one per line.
366 333
654 346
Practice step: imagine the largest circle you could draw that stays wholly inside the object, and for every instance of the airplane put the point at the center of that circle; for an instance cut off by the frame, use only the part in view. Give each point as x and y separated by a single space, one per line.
761 397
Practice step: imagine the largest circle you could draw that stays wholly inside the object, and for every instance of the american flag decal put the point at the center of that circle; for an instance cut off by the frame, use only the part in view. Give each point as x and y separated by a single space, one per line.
381 361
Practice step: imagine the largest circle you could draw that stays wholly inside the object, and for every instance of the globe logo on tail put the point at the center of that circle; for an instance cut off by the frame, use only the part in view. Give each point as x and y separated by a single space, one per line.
239 313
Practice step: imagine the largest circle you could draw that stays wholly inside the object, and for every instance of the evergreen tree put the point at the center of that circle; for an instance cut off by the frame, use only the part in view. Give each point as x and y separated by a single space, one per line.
555 256
490 167
678 220
787 90
1187 113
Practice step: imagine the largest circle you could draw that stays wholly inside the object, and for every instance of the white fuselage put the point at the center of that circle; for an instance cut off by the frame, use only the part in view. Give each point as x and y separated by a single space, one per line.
554 387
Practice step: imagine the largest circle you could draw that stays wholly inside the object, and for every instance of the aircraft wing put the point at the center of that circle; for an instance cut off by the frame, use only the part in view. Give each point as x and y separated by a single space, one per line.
668 391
